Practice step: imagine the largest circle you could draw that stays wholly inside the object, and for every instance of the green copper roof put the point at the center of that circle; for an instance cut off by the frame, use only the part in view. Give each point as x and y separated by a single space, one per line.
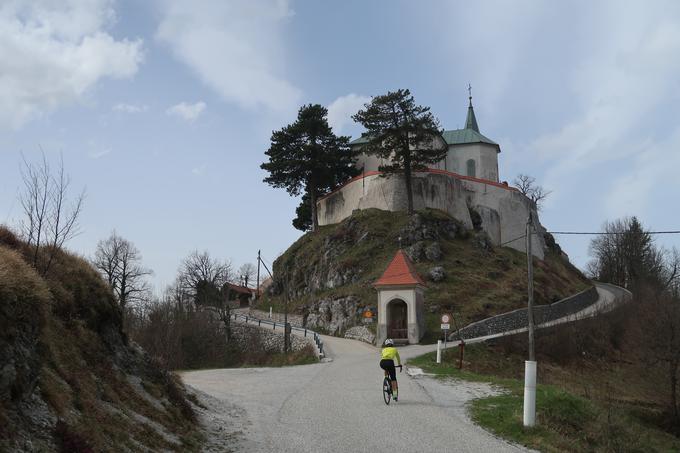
471 121
455 137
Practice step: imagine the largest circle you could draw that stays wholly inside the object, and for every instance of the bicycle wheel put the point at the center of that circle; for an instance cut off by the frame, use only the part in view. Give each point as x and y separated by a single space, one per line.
387 390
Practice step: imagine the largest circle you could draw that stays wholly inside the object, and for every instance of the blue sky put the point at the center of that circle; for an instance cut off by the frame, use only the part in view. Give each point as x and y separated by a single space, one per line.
163 109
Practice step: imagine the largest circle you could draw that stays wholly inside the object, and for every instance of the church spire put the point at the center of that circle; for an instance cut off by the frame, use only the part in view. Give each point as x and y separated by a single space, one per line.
471 120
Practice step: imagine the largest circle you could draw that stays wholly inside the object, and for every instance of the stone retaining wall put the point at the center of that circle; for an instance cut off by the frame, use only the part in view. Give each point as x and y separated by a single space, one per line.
293 320
251 336
518 319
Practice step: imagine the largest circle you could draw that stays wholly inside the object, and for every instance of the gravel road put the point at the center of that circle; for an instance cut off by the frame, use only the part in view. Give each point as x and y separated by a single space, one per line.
338 406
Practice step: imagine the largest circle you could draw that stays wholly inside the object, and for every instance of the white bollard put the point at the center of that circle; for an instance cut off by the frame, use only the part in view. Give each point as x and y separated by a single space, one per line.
439 351
529 393
270 312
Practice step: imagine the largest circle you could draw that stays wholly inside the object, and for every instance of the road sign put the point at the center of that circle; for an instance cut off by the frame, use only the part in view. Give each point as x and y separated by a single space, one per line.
368 313
446 326
446 319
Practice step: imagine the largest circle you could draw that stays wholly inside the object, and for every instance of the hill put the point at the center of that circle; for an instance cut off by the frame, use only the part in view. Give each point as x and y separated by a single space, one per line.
329 273
69 379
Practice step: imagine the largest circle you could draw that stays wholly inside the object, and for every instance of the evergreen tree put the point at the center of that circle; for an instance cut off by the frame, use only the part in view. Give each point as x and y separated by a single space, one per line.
307 157
625 254
403 133
303 221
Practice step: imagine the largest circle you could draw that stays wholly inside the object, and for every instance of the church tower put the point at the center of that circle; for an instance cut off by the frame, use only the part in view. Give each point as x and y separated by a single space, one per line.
471 153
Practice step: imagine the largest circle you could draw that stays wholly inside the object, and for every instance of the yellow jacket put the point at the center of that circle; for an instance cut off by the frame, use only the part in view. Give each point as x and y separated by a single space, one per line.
389 353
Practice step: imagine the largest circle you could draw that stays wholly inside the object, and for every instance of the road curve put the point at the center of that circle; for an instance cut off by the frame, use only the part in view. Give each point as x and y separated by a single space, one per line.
338 406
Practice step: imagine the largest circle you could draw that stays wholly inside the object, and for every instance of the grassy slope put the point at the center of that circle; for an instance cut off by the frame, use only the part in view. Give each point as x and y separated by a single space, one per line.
82 364
587 405
478 284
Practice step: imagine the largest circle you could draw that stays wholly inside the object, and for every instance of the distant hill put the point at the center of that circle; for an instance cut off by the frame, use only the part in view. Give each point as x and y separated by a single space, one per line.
69 379
329 273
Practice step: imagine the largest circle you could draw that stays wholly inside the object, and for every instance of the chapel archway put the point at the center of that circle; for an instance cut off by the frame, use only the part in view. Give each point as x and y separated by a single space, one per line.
397 319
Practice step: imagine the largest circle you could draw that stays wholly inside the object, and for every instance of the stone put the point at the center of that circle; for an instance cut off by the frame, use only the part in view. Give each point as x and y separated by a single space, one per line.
481 241
433 252
416 251
437 274
360 333
333 315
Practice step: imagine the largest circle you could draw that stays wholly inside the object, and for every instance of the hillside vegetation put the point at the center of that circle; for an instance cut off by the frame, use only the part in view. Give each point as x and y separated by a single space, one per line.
596 392
480 280
69 379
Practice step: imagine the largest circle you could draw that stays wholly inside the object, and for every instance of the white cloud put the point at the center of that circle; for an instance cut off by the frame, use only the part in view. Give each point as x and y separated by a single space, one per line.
198 171
52 53
235 47
625 79
130 108
340 111
99 154
189 112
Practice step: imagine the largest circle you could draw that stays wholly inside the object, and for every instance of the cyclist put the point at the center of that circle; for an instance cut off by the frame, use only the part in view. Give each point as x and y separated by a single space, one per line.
389 353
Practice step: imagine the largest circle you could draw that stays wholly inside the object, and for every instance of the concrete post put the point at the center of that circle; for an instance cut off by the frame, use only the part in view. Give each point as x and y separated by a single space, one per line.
529 393
439 351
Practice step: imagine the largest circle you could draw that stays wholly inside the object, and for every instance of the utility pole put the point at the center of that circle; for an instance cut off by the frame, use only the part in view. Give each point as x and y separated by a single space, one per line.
257 288
286 327
530 365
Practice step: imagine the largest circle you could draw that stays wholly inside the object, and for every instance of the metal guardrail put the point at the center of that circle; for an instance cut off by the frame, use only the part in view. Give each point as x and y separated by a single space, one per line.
314 335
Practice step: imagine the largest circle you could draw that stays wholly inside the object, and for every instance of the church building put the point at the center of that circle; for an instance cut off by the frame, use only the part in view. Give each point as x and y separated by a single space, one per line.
465 184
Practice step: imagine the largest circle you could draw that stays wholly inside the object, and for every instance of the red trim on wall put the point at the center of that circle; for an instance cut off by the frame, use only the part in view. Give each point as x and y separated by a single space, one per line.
429 170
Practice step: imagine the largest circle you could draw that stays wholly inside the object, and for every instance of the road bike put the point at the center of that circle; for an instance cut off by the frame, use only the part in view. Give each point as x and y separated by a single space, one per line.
387 385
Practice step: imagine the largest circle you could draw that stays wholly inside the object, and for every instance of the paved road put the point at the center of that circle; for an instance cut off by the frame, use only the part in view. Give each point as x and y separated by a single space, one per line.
338 407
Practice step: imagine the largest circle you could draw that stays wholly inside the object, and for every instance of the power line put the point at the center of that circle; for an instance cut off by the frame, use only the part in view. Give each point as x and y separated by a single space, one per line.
612 232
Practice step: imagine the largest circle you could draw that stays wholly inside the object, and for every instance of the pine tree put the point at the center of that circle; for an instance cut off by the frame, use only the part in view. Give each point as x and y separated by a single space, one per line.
306 157
405 134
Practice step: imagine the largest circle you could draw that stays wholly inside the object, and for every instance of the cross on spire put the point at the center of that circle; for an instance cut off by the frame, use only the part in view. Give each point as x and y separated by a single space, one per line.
470 93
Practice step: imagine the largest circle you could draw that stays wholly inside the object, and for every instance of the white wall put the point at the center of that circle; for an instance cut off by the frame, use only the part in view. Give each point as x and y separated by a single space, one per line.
484 155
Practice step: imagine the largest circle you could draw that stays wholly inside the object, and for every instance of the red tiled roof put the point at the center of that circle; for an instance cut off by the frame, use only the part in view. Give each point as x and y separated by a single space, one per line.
241 289
400 271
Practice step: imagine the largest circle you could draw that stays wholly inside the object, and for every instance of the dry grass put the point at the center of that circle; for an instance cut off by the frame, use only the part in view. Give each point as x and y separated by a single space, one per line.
479 283
78 360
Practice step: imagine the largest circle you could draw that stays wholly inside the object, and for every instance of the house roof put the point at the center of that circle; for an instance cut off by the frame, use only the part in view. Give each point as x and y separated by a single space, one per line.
241 289
453 137
400 272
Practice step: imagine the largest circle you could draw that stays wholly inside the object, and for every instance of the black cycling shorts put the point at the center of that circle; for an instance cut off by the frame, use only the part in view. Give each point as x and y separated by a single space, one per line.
388 365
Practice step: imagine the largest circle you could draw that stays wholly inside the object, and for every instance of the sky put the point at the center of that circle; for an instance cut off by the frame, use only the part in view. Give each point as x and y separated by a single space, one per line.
163 109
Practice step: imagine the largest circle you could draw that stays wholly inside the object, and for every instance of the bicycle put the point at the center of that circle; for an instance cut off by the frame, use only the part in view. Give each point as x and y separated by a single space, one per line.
387 385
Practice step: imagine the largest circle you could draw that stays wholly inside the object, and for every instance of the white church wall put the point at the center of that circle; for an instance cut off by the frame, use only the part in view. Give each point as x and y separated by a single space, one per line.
485 157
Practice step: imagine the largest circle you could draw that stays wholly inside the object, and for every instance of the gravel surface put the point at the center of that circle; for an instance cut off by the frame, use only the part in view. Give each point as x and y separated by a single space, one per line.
337 406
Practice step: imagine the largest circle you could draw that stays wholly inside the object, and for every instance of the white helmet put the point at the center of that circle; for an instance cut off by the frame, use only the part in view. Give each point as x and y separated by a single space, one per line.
389 342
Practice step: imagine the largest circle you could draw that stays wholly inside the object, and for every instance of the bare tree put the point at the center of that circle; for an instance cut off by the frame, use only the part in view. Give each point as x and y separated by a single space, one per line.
119 262
247 274
200 266
527 186
659 320
50 218
205 280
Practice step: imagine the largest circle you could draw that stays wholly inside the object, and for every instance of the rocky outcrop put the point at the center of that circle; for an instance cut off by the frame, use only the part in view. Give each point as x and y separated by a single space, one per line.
361 333
437 274
334 316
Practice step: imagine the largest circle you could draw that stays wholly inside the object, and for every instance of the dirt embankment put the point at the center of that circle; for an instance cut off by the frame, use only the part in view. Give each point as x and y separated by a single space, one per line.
69 378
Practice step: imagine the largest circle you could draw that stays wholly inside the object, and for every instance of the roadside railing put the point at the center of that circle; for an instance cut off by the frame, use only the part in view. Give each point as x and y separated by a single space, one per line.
304 331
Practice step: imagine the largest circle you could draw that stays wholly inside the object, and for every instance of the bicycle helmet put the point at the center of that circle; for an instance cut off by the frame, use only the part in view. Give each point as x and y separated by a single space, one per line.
388 342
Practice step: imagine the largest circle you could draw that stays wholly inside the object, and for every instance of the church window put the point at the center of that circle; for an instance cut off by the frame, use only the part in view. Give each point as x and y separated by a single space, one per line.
472 168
